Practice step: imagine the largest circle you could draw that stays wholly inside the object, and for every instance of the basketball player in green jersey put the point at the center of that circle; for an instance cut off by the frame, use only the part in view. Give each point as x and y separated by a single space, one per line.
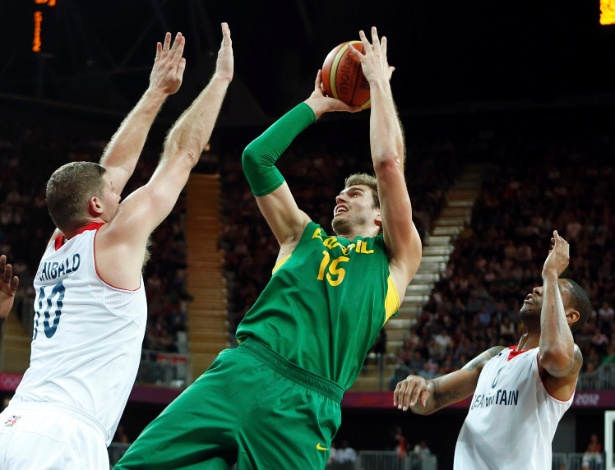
274 401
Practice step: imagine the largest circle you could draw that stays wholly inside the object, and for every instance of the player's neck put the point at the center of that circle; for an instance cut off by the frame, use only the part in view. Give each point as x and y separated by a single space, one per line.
528 340
359 232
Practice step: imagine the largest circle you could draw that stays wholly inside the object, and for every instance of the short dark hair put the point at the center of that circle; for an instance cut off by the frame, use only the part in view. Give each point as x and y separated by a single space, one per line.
68 191
579 300
365 180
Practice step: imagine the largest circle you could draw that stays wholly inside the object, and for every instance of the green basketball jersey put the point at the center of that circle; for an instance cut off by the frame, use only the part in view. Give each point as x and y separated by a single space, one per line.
325 304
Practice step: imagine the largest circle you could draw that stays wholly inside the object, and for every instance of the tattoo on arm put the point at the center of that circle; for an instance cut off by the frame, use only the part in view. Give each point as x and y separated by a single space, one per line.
481 359
441 399
554 312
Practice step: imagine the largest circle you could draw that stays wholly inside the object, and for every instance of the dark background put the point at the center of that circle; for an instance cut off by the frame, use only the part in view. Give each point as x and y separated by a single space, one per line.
98 54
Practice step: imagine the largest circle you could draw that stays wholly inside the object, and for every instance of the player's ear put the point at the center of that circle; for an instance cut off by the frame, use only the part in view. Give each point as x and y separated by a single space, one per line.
378 219
95 207
572 316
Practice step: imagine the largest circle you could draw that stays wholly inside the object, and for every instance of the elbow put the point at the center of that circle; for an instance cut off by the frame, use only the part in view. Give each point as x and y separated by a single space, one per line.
248 158
388 162
556 360
183 147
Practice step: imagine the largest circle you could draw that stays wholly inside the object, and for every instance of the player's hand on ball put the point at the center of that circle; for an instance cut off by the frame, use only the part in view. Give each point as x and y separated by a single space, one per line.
412 391
320 103
374 58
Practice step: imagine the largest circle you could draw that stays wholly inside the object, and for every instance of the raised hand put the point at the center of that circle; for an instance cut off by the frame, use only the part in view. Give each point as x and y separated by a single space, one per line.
558 258
225 65
8 287
374 57
169 65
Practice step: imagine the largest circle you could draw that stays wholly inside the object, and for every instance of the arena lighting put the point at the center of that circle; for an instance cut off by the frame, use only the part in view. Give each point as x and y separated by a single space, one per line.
607 12
38 24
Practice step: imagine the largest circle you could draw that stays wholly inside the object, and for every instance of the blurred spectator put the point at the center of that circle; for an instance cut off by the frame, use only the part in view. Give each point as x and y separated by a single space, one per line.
345 455
592 458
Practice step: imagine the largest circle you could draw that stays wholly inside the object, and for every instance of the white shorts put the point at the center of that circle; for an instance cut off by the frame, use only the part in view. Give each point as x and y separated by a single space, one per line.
37 437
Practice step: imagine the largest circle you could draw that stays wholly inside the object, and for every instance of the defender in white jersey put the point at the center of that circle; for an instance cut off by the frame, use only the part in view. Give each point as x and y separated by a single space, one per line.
520 393
90 308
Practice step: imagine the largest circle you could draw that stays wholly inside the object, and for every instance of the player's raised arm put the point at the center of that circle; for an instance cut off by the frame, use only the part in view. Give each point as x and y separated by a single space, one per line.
273 195
428 396
388 154
560 357
8 288
148 206
123 151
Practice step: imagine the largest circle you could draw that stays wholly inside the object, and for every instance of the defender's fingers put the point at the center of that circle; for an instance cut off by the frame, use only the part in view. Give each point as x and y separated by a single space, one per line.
8 273
167 42
178 46
424 397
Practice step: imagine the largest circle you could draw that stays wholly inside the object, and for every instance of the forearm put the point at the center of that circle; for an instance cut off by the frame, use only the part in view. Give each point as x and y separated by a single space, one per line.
125 147
260 156
386 135
556 340
193 129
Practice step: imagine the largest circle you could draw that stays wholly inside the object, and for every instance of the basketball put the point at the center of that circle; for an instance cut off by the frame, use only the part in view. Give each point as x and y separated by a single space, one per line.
342 76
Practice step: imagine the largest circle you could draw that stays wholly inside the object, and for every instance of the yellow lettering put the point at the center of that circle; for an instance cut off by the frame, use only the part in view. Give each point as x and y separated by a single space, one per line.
362 247
347 249
331 243
323 265
365 250
317 233
335 271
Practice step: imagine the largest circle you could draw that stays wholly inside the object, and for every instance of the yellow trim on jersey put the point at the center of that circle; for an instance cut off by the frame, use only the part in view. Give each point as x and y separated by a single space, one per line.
391 301
280 263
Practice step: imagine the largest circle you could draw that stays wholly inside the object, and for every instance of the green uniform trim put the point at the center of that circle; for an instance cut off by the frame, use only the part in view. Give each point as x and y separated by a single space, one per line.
259 157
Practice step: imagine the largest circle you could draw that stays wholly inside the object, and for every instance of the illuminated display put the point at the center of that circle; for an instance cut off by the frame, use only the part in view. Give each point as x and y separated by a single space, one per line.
607 11
37 41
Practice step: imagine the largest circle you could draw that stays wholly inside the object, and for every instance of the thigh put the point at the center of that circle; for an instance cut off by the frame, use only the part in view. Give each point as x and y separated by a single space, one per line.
292 428
199 426
50 441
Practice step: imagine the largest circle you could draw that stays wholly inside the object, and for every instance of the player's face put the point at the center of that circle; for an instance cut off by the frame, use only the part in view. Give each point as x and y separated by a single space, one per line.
111 200
354 206
532 305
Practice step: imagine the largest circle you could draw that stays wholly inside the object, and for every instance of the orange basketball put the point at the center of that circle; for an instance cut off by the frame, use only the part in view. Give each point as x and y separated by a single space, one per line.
342 76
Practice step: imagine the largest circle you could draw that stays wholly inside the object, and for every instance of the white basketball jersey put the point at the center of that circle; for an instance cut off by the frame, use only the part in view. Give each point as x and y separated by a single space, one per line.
512 418
86 344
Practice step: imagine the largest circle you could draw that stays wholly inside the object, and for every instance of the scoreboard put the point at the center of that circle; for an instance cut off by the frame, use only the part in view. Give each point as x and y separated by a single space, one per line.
43 13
